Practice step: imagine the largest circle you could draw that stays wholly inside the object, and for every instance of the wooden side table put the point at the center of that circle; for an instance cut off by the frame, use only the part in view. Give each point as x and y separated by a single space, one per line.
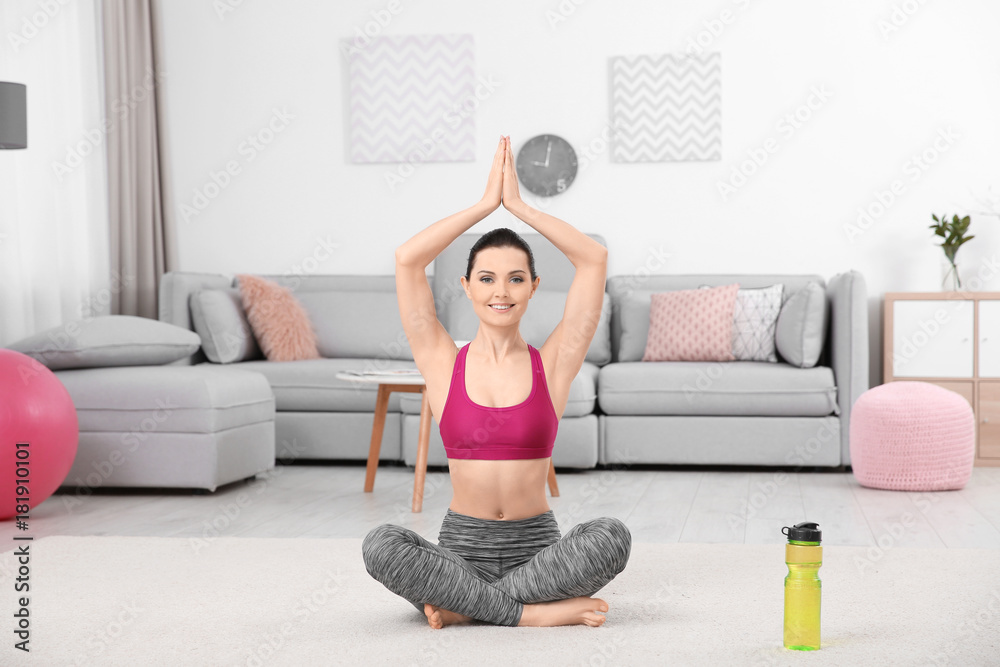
386 385
408 383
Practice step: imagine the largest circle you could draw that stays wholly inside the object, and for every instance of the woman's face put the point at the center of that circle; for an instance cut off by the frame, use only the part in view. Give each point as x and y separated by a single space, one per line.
500 277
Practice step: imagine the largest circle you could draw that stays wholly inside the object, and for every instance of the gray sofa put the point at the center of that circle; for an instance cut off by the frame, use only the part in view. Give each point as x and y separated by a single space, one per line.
620 410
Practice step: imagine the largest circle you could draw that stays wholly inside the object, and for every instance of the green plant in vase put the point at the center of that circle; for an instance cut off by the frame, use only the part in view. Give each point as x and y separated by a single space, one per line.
953 233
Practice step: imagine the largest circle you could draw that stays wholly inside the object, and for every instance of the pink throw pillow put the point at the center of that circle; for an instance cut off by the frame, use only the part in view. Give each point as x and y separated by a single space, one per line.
692 325
279 322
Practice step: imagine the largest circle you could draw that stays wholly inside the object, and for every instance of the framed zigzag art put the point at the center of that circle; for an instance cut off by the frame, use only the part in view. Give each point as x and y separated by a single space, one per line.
666 108
412 99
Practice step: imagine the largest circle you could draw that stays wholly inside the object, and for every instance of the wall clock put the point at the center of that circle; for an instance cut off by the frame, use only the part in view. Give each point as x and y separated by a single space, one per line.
546 165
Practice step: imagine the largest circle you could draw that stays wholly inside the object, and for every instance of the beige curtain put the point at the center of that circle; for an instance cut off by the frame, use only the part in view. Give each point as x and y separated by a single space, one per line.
143 247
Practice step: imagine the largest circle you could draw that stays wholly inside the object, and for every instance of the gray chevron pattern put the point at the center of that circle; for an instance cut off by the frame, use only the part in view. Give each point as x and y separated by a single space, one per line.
412 99
666 107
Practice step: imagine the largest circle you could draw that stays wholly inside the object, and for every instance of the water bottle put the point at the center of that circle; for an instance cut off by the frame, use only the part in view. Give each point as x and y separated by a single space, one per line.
804 556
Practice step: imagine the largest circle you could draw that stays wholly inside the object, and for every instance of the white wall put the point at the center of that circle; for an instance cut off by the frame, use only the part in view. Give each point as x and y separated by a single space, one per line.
899 73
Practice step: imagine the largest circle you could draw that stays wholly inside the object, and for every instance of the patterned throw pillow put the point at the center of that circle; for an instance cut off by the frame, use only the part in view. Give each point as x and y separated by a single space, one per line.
279 322
755 318
691 325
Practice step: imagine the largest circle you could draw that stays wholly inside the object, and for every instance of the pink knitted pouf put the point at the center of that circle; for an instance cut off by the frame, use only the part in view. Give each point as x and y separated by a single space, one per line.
912 436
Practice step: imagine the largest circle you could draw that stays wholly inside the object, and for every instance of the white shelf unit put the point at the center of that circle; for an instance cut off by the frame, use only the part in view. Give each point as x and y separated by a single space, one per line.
951 339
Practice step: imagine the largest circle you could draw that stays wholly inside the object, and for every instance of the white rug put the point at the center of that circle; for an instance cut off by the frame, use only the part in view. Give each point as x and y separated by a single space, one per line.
260 601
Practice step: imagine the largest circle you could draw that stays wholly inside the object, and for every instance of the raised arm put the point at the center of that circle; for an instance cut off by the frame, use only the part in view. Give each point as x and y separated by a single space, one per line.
425 246
429 340
570 340
577 246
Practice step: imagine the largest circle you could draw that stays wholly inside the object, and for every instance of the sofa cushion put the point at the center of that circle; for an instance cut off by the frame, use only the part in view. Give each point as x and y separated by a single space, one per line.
545 311
356 325
279 322
136 401
749 388
801 328
691 325
311 385
221 322
109 340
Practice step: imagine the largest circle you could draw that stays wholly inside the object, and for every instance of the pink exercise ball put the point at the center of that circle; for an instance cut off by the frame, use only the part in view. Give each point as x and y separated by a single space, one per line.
36 409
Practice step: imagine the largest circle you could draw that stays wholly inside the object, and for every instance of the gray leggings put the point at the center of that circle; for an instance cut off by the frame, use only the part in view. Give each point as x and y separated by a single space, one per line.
489 569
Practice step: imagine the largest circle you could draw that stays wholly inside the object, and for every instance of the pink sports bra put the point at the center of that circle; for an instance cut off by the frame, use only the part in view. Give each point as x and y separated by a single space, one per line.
523 431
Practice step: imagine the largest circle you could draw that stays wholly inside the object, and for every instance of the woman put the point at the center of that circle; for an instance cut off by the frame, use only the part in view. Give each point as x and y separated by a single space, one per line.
500 558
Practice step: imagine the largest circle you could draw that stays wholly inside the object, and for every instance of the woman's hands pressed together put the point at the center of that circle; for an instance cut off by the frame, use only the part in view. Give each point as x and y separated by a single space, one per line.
501 186
511 193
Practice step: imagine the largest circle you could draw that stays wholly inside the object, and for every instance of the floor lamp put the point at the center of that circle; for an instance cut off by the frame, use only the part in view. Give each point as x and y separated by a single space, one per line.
13 115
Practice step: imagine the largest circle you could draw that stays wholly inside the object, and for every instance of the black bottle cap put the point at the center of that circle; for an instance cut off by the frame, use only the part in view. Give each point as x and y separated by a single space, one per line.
807 531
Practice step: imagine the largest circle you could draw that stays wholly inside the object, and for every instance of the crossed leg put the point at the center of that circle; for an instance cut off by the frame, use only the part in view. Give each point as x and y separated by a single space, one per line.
582 562
423 572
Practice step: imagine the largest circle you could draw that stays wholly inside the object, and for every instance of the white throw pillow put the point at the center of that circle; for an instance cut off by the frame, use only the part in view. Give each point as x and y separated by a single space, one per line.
109 340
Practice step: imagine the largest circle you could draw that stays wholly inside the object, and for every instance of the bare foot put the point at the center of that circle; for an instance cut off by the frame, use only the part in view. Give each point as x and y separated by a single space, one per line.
438 617
572 611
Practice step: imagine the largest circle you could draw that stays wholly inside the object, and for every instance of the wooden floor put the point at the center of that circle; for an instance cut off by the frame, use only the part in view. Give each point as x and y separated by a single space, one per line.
657 504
